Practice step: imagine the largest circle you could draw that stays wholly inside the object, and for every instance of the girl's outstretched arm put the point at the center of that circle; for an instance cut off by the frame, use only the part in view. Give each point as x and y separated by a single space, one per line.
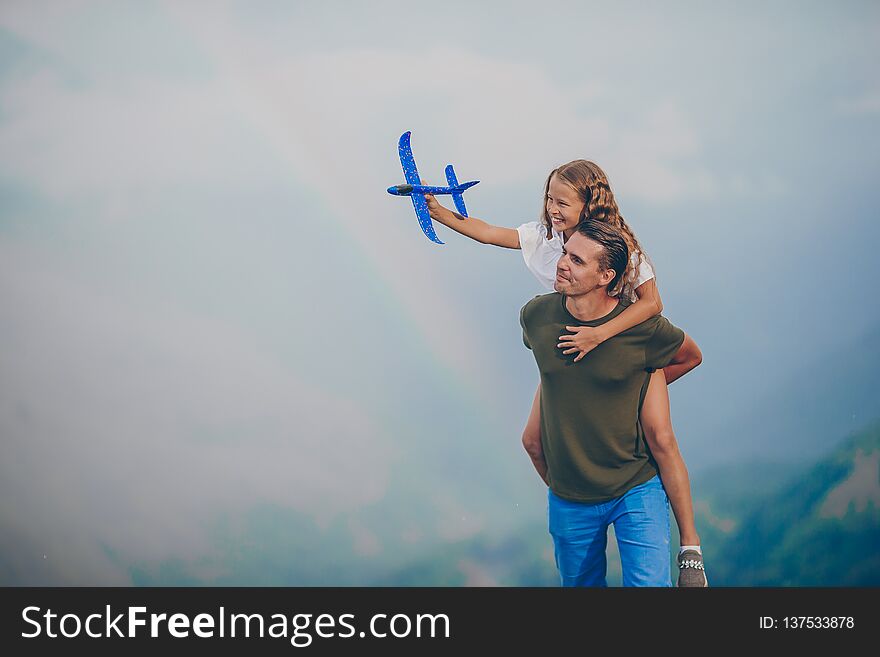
586 338
476 229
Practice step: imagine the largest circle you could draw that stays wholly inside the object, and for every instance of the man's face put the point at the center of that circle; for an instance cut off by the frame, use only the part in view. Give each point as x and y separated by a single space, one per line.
578 271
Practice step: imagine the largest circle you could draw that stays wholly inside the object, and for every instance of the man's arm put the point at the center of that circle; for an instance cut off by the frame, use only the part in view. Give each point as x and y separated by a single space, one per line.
531 438
686 358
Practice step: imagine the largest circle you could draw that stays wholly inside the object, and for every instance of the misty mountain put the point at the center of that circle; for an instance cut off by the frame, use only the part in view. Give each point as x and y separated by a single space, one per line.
816 527
761 524
833 395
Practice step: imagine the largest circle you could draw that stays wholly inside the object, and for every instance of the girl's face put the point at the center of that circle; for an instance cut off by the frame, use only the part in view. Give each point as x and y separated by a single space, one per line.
564 205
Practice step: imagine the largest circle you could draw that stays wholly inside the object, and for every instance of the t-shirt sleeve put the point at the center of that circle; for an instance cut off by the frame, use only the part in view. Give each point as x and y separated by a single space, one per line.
522 323
663 345
539 253
645 270
529 239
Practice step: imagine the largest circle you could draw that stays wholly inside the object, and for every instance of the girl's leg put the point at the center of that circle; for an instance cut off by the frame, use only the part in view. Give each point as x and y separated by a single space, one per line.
657 425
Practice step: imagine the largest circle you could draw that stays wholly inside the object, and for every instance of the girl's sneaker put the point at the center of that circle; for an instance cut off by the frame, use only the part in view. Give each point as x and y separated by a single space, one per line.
691 572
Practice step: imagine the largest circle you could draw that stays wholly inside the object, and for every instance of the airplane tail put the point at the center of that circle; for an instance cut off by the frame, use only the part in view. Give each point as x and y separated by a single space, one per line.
457 198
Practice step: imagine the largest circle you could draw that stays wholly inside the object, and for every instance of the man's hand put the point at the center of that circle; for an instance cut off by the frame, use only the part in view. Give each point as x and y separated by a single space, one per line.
583 340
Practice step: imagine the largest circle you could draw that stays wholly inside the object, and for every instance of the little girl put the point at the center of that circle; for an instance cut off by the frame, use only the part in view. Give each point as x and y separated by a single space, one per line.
573 192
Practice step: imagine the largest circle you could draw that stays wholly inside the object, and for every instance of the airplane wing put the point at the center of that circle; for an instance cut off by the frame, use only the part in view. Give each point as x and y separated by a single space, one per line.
421 206
457 198
408 162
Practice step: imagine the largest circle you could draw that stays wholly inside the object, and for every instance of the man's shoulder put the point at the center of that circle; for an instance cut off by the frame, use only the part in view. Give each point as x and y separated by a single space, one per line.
540 304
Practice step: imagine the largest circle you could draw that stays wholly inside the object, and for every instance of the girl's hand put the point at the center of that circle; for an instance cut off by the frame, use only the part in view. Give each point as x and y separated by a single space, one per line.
437 211
583 340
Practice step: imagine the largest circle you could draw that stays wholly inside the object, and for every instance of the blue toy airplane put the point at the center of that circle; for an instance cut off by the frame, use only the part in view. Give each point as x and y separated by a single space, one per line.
416 190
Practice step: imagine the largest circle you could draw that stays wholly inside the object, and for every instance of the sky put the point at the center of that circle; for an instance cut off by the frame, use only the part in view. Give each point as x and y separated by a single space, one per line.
209 305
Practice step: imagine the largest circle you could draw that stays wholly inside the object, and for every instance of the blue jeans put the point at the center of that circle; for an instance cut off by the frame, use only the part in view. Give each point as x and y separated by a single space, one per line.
641 523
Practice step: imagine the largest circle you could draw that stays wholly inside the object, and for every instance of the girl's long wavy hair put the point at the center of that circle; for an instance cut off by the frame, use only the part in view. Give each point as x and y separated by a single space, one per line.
591 184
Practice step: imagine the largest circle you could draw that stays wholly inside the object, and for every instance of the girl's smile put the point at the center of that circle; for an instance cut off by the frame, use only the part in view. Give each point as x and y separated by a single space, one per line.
564 205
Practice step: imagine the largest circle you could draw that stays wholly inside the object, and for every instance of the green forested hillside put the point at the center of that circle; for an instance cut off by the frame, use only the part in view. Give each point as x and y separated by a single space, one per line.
818 527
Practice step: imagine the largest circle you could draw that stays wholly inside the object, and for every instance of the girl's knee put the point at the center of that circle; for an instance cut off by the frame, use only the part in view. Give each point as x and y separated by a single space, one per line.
661 440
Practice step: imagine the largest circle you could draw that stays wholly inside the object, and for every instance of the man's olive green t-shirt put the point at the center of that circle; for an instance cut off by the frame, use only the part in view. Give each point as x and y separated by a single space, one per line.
590 430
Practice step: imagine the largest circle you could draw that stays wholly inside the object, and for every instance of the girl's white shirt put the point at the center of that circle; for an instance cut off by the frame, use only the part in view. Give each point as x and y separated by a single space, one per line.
541 255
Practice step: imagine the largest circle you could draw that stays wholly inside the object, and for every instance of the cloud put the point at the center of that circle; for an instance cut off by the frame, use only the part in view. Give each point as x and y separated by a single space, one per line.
128 427
263 113
866 104
108 123
156 136
859 491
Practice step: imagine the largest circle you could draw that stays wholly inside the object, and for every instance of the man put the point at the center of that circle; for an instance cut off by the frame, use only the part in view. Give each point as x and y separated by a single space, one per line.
594 456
